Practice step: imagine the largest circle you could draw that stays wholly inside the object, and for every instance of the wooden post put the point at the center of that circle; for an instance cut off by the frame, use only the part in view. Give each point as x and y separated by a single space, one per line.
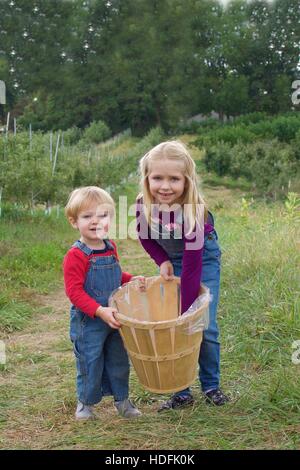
15 127
30 137
1 189
56 152
48 208
32 203
7 124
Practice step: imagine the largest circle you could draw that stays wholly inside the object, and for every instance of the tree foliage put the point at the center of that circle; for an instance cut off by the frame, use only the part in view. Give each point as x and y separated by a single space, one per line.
140 63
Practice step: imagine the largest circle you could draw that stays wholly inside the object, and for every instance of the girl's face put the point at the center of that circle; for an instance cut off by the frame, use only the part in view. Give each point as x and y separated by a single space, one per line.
93 224
166 181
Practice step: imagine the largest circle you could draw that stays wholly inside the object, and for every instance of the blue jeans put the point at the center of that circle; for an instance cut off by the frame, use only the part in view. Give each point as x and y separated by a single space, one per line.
209 356
101 359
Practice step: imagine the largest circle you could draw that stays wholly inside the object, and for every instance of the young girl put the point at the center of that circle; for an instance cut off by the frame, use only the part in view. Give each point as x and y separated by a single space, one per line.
91 273
173 224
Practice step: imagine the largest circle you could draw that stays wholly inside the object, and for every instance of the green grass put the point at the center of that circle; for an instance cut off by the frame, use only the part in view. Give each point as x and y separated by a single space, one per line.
32 249
258 318
226 181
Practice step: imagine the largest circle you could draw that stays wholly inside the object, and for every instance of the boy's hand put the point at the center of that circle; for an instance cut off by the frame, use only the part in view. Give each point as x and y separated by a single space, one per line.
142 282
107 315
167 270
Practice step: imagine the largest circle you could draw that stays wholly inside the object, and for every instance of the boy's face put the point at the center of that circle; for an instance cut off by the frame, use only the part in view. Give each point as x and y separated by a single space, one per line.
93 223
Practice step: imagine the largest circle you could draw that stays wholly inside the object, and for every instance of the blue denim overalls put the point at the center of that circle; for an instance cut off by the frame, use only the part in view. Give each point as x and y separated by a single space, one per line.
101 359
209 357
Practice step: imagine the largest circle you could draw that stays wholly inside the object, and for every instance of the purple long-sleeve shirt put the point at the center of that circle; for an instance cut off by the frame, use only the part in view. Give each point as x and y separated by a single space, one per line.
192 253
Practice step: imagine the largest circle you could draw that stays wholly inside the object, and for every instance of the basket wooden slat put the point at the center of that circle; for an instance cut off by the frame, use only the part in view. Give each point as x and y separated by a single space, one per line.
163 351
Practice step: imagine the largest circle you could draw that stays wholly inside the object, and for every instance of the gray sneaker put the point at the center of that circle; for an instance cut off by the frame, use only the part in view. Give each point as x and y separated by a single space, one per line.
127 409
84 412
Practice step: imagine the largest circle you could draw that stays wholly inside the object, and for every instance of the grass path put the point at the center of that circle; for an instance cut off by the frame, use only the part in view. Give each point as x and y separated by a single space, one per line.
38 395
30 354
38 400
38 390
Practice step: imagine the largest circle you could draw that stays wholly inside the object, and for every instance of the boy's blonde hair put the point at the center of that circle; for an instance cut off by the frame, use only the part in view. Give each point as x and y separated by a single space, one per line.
176 151
81 198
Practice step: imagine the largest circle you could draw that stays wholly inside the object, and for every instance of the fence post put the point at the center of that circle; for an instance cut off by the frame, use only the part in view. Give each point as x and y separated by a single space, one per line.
32 203
48 208
7 124
56 152
30 137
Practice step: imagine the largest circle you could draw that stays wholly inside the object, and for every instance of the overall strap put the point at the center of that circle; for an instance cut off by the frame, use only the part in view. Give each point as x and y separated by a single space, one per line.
88 251
82 246
108 244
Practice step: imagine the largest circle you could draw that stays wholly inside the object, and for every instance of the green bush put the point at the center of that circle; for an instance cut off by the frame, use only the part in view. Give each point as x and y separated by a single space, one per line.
249 128
72 135
263 129
97 132
272 165
196 127
286 128
240 157
187 127
251 118
217 158
28 177
227 134
296 145
269 165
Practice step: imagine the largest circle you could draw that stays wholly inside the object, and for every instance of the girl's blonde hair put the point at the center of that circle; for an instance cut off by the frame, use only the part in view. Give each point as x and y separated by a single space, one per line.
81 198
176 151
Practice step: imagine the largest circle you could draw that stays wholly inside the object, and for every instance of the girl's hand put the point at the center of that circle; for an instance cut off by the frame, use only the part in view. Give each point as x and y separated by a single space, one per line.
167 270
142 282
107 314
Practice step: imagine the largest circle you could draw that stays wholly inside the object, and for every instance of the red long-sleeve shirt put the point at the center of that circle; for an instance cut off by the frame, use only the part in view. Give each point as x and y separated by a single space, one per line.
75 268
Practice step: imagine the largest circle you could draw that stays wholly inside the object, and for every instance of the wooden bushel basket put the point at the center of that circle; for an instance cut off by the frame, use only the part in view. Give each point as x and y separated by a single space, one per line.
162 344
